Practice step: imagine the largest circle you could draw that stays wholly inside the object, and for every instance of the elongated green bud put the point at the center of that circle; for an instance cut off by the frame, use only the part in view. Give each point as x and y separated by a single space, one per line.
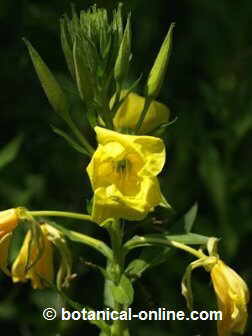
158 71
123 58
50 85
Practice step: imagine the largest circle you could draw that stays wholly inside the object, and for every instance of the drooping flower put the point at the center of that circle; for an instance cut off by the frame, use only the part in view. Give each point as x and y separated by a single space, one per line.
34 263
232 295
130 110
8 221
231 290
123 173
35 259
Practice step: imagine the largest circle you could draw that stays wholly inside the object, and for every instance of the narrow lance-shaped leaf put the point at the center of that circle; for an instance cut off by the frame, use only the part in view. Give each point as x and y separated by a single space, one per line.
190 217
71 142
158 71
9 152
50 85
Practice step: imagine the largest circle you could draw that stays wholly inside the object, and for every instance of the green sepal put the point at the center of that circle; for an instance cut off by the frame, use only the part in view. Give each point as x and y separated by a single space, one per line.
123 292
158 131
186 287
158 71
9 151
49 83
70 141
164 203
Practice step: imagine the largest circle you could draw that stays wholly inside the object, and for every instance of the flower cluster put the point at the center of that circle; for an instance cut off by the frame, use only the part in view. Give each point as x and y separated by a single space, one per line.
35 259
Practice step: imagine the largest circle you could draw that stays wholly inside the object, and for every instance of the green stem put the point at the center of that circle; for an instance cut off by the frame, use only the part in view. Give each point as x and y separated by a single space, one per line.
147 103
149 241
52 213
116 270
82 139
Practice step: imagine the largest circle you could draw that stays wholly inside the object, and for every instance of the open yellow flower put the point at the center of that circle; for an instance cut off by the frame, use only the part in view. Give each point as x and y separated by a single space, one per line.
232 295
8 222
34 264
130 110
123 174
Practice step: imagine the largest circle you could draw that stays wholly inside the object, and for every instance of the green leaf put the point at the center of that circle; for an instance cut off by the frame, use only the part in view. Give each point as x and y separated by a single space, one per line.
149 257
190 217
124 292
189 238
71 142
50 85
164 240
158 71
9 152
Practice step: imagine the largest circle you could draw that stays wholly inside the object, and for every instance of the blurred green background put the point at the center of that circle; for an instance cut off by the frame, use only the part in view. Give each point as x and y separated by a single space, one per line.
208 87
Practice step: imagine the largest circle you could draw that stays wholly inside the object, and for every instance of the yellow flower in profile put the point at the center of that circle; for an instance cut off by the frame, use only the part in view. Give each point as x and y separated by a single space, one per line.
8 222
232 295
33 264
130 110
123 173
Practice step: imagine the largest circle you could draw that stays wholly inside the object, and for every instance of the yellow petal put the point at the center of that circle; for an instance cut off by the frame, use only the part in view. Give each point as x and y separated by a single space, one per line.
233 296
40 271
8 221
150 149
4 252
130 110
111 203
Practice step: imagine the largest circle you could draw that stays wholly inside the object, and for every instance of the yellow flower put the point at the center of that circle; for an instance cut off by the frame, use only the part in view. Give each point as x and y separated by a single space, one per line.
232 295
34 264
8 222
130 110
123 174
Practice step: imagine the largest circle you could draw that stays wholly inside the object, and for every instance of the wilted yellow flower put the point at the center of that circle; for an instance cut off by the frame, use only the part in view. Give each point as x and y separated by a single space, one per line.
232 295
34 264
123 174
8 222
130 110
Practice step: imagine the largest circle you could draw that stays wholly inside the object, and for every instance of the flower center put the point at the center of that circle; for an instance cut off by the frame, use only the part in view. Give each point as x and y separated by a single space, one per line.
122 167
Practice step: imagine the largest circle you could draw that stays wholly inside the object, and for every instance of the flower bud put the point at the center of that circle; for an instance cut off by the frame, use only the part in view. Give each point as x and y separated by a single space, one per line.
130 110
158 71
